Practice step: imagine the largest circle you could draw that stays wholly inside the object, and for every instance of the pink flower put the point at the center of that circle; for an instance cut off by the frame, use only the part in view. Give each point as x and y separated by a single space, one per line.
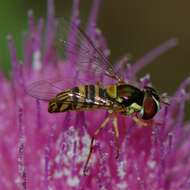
40 150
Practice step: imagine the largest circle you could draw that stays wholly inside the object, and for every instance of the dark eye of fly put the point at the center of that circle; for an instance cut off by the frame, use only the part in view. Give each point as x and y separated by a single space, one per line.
150 108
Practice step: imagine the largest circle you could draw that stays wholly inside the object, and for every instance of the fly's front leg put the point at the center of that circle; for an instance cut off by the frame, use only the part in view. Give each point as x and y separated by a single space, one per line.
116 135
105 122
144 123
140 122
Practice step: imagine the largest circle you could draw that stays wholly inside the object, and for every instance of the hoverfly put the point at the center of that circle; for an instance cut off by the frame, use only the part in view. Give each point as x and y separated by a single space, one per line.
120 97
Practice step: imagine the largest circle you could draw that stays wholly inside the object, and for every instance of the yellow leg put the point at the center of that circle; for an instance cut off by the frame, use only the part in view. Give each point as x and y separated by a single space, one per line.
140 122
105 122
145 123
116 135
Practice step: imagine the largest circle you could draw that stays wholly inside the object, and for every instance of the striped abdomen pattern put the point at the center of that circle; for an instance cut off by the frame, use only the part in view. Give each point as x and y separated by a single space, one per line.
79 98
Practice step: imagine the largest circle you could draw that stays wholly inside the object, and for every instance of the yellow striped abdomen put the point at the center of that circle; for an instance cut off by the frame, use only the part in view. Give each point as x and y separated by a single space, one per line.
79 98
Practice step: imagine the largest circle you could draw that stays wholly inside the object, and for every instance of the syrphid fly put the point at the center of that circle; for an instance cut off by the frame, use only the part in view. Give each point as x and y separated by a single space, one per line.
118 98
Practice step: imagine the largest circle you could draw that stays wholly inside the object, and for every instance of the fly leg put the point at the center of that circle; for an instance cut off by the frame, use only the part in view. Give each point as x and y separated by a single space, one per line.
145 123
104 123
116 135
140 122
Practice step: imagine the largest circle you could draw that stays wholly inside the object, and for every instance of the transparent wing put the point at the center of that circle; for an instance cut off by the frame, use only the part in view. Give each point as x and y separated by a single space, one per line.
90 58
48 88
43 90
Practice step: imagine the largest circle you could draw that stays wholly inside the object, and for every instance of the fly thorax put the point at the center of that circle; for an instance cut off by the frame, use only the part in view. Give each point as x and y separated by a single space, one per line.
112 91
119 100
134 107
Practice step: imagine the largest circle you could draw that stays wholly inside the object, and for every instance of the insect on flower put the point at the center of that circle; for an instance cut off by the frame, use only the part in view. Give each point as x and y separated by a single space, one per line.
117 98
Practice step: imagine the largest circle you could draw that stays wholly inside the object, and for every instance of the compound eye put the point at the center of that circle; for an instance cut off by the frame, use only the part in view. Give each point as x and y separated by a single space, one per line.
150 108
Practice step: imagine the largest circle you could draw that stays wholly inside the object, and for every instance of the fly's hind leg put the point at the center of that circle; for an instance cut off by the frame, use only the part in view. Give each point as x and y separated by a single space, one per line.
103 125
116 135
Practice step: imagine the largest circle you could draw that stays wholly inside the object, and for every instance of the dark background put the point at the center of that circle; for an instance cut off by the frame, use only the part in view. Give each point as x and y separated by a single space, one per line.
130 26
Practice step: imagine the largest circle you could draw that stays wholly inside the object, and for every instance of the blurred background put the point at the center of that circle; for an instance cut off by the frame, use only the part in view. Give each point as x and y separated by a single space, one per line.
130 26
